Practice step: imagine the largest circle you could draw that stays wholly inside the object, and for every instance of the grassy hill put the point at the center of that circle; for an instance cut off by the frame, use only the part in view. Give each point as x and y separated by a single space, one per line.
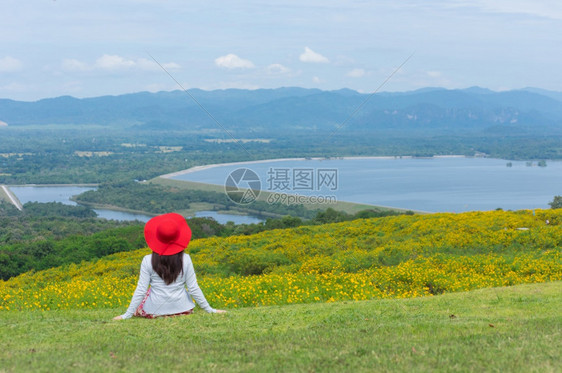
392 257
314 298
348 207
510 329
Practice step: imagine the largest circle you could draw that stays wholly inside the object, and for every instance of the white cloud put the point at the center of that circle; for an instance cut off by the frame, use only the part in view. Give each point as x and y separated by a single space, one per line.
277 69
233 84
113 62
316 79
232 61
434 74
311 56
9 64
146 64
356 73
71 64
171 65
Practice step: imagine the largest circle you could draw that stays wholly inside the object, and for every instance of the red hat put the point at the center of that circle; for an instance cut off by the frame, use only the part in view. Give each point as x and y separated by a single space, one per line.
167 234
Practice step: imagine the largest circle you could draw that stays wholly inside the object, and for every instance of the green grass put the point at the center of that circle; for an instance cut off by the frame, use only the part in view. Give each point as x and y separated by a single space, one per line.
348 207
514 329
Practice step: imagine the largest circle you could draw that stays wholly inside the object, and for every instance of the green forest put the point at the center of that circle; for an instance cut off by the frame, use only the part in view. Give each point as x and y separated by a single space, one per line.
66 156
158 199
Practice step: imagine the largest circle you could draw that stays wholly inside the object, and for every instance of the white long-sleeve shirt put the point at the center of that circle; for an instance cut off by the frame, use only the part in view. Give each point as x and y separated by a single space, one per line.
167 299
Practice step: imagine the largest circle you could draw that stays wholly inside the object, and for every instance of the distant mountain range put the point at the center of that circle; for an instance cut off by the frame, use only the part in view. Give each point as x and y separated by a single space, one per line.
471 110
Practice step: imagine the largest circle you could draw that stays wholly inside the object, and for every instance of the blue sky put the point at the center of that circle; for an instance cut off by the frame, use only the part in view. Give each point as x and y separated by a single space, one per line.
88 48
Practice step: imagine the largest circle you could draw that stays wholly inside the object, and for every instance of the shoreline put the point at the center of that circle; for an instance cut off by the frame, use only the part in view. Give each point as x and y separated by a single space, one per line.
177 176
190 170
209 166
52 185
99 206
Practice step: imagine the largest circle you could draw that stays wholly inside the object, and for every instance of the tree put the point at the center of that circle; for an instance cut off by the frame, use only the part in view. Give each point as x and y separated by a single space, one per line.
556 202
331 216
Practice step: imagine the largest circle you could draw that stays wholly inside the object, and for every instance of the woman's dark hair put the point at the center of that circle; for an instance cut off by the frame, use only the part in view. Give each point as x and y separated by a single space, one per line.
168 267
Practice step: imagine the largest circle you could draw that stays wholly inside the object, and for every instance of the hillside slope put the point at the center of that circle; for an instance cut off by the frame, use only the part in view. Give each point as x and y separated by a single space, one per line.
391 257
514 329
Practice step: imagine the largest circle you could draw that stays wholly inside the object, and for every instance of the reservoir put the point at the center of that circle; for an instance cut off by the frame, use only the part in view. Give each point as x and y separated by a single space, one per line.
63 193
437 184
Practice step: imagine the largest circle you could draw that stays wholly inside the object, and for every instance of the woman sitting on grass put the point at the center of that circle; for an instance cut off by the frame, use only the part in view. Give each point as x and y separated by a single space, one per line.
167 270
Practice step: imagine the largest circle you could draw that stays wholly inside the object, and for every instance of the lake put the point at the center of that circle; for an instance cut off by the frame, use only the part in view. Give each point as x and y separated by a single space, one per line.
63 194
438 184
224 218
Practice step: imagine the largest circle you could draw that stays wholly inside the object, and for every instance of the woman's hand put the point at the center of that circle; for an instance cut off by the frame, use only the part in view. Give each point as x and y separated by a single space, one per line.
220 311
118 317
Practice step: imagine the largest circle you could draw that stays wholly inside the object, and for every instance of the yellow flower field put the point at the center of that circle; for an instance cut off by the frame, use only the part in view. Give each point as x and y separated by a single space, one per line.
399 256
